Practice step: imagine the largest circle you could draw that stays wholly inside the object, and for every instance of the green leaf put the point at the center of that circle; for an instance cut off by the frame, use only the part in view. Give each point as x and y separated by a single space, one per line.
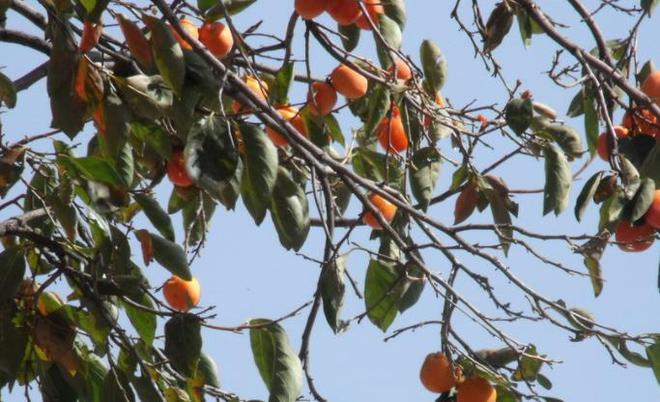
260 170
196 217
157 216
332 287
414 288
93 168
117 118
557 181
332 126
67 109
279 91
653 354
148 97
543 381
232 6
12 164
12 339
7 91
524 26
383 289
595 274
289 211
116 388
642 200
142 320
12 272
458 177
278 364
390 31
207 371
167 53
434 64
645 71
377 167
379 105
587 194
424 173
651 166
349 35
91 375
53 384
518 114
576 108
171 256
611 209
396 10
649 5
590 120
499 206
183 343
66 215
210 155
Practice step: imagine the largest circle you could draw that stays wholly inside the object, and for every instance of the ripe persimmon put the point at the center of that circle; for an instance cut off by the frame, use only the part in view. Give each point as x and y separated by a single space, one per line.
386 208
634 238
310 9
176 170
374 8
180 294
217 38
345 12
651 86
391 134
348 82
652 216
641 121
321 98
292 115
476 389
258 87
403 71
602 146
437 374
190 28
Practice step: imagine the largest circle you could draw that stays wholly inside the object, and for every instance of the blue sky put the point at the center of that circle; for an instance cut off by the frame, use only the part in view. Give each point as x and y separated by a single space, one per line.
246 274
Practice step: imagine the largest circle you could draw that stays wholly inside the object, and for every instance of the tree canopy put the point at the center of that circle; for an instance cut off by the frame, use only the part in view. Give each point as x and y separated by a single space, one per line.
148 96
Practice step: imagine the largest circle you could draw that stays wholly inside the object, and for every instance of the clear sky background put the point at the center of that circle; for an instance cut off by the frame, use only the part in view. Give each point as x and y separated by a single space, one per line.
246 274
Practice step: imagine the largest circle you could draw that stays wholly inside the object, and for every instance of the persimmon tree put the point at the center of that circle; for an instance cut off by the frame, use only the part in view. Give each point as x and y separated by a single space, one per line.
158 90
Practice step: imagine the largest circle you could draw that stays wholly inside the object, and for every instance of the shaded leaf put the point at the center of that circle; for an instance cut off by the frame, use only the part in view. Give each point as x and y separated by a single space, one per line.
587 194
142 320
332 287
649 5
396 10
136 41
377 167
7 91
148 97
518 114
498 26
289 211
156 215
183 343
379 105
390 31
557 181
260 171
349 35
424 173
278 364
116 388
167 53
590 120
383 288
170 255
94 169
12 272
642 200
434 64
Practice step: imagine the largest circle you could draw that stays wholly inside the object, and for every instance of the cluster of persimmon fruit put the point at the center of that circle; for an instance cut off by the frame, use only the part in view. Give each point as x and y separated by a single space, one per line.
438 375
639 121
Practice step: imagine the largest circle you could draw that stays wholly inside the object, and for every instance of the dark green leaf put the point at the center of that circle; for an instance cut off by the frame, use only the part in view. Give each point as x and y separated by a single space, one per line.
651 166
543 381
379 105
7 91
415 287
383 289
396 10
377 167
12 271
67 109
576 108
350 36
587 194
611 209
94 169
156 215
653 354
142 320
232 7
434 64
590 120
649 5
117 118
116 388
207 371
148 97
332 287
12 339
278 364
390 31
210 155
54 386
645 71
167 53
289 211
183 343
171 256
279 91
519 113
260 171
424 174
557 181
642 200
